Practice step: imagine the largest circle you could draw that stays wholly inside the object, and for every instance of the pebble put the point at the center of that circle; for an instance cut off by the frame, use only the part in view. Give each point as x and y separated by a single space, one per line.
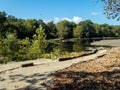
49 82
2 79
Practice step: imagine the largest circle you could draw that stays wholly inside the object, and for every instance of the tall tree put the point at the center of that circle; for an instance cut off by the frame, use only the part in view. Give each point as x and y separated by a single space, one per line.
38 43
46 28
99 32
77 31
10 46
52 30
88 30
106 29
116 30
65 29
2 21
30 26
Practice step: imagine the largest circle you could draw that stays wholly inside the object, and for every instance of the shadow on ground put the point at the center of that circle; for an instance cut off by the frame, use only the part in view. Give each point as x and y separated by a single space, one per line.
74 80
33 80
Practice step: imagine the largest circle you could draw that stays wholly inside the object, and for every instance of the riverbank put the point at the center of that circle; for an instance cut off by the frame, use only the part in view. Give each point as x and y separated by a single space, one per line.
15 77
111 42
98 74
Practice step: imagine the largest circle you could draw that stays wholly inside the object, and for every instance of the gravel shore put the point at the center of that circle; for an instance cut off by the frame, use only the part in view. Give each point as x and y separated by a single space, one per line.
99 74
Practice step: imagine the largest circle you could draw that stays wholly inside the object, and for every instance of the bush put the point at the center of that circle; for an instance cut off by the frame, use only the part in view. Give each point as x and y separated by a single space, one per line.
38 44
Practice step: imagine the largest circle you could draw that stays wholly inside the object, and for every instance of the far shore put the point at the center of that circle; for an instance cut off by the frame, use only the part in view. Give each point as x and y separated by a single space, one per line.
110 42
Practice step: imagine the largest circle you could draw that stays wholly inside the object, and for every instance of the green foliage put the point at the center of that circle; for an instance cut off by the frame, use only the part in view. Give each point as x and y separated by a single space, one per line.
14 50
77 31
38 44
23 50
14 46
9 47
112 9
52 33
2 21
116 30
88 30
5 60
1 45
65 29
30 25
55 54
46 28
62 30
106 29
77 47
98 30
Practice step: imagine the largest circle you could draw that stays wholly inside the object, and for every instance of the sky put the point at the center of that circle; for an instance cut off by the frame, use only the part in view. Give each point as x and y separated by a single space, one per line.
56 10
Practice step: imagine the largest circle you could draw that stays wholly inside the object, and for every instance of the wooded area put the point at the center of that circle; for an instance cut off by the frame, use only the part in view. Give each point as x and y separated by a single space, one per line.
63 29
22 39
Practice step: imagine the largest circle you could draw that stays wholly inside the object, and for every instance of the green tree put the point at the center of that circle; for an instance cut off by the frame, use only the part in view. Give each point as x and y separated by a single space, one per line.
116 30
107 31
99 32
2 21
23 50
10 47
88 30
1 45
65 29
38 43
77 31
52 30
30 26
46 28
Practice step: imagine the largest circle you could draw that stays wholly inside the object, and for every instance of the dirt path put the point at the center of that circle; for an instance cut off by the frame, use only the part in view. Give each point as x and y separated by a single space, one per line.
31 78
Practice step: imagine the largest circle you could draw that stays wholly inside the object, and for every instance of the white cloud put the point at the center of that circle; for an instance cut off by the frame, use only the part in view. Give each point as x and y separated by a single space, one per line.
56 19
95 13
75 19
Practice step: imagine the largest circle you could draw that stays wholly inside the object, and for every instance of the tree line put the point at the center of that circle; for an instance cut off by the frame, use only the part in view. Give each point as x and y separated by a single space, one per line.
22 39
63 29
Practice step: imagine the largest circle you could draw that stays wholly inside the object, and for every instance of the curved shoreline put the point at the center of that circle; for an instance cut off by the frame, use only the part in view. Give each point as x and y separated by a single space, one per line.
24 77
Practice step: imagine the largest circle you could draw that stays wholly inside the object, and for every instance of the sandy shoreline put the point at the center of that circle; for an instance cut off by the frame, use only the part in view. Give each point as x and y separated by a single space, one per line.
112 42
32 77
15 77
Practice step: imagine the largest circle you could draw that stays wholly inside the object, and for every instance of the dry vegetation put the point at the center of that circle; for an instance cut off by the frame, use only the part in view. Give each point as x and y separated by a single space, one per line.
100 74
